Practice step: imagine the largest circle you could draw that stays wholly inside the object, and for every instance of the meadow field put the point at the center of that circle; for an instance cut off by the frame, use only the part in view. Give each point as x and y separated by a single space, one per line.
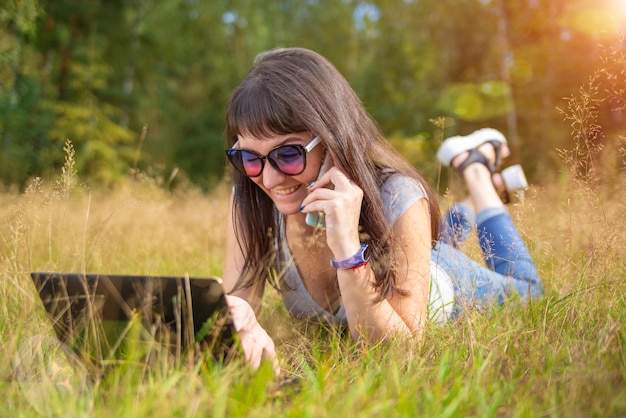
563 356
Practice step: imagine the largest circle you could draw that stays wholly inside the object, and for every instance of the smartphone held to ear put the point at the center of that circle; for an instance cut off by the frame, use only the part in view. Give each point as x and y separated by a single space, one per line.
317 219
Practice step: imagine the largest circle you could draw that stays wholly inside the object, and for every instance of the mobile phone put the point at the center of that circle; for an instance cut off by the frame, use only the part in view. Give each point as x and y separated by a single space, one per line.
317 219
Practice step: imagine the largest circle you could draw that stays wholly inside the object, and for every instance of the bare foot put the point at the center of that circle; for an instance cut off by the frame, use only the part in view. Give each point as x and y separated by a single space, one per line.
488 151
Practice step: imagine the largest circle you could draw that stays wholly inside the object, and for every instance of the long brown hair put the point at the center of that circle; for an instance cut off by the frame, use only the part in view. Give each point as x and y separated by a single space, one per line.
296 90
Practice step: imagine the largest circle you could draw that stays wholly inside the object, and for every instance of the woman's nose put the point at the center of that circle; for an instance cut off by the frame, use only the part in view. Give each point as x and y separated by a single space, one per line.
271 176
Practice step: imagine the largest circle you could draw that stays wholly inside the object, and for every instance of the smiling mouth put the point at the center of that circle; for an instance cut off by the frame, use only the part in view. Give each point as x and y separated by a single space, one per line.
285 191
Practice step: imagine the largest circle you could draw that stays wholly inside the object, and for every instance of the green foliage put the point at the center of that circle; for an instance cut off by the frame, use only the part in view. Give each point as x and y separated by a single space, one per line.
19 90
18 21
418 151
100 73
476 102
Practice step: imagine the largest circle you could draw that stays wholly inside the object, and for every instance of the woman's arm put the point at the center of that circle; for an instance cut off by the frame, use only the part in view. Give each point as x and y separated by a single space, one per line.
398 313
411 245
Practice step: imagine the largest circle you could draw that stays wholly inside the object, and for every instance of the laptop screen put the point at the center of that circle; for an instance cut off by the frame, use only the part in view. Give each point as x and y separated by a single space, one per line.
99 314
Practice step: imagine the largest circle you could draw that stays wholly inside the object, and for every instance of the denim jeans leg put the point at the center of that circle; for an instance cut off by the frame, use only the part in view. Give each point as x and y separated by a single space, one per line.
457 224
511 270
475 286
504 252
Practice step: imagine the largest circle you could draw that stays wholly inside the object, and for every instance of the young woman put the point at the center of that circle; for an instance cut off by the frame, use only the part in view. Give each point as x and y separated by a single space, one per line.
328 213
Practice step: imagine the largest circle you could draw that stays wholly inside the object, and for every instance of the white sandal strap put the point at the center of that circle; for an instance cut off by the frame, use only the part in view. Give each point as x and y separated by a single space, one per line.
455 145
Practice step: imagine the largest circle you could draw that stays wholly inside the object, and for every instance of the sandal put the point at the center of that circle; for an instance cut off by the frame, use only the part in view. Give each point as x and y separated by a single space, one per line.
512 178
456 145
475 156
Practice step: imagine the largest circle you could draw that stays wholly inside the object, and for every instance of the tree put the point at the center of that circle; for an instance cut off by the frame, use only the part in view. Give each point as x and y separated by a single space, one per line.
101 72
19 90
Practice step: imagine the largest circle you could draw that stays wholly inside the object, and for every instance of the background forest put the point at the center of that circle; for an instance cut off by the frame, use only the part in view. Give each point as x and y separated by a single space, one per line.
143 84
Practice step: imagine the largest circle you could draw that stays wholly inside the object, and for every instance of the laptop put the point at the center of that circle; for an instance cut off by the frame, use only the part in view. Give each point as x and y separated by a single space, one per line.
104 316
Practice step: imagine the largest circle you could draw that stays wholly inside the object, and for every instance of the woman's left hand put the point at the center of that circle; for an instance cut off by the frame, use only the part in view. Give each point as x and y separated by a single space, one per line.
340 199
256 343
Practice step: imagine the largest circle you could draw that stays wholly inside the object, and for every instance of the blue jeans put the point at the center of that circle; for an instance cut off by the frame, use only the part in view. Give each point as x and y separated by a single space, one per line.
509 268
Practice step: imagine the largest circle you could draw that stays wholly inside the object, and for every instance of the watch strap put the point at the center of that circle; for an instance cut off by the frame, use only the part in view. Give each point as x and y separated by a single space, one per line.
356 260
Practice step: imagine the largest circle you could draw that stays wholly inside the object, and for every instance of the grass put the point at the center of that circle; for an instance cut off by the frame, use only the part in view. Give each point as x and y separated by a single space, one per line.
562 356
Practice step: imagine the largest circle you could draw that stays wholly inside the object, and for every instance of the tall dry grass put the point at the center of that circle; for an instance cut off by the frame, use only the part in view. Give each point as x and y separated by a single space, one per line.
562 356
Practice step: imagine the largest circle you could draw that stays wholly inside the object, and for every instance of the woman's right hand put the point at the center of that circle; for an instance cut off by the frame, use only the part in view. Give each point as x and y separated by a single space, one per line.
340 199
256 343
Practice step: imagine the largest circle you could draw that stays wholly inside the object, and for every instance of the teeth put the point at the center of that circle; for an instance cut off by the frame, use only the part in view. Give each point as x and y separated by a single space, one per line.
286 191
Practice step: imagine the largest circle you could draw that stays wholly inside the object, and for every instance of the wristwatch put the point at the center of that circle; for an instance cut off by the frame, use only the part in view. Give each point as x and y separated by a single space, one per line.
361 257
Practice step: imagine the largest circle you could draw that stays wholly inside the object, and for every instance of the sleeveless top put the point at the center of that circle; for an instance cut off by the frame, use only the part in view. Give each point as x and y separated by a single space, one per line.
399 193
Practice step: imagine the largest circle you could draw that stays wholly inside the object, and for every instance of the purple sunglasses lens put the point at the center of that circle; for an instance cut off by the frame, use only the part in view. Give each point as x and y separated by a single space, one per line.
251 164
290 159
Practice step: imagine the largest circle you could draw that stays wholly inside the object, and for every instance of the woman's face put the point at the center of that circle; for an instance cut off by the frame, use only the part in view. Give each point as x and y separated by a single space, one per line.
287 192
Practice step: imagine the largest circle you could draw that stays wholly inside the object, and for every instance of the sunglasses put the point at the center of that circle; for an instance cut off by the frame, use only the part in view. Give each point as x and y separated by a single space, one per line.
288 159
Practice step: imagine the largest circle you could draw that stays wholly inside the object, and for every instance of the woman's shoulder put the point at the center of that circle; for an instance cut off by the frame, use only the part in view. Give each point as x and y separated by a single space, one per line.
397 185
399 192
